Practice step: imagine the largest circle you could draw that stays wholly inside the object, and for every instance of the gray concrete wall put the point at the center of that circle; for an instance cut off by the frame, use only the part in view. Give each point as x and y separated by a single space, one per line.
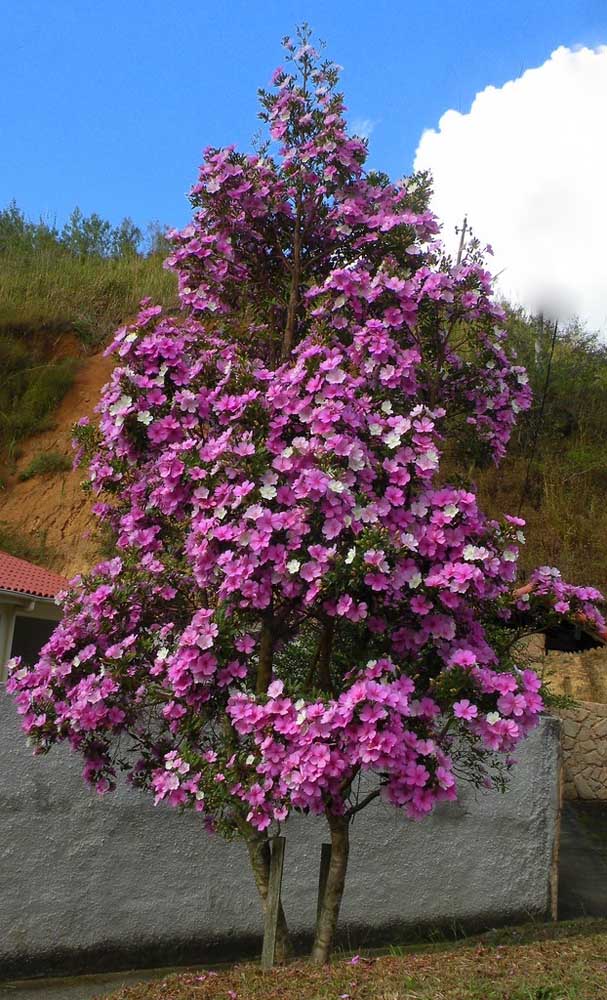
87 883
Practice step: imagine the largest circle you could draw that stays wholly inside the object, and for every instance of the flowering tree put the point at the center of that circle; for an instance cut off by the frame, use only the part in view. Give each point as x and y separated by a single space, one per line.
299 599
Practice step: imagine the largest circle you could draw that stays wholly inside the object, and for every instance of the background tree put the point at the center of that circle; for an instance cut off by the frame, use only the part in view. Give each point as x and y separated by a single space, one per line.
299 600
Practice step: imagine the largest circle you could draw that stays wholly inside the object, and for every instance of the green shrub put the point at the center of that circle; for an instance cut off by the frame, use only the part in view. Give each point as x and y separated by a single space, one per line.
85 280
30 547
29 393
44 464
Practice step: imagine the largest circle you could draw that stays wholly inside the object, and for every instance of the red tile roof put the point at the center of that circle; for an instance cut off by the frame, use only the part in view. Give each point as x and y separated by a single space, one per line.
25 578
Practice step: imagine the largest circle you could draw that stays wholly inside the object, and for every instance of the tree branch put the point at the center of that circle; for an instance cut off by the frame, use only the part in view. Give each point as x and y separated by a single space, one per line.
364 802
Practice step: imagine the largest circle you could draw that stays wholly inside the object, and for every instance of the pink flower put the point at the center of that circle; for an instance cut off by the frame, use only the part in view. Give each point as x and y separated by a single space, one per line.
465 710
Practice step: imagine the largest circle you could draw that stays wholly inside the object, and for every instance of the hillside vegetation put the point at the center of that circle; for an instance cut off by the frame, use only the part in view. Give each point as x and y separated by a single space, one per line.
62 294
556 470
64 291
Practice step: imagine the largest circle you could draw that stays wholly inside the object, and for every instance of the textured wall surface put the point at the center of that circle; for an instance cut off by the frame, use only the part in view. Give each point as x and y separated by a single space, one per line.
582 676
585 751
89 883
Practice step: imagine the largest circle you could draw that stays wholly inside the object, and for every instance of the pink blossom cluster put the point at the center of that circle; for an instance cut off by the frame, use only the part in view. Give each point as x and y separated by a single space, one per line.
546 587
287 516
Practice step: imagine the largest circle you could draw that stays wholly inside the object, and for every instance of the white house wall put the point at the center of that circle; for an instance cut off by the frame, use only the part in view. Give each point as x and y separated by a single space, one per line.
114 882
24 607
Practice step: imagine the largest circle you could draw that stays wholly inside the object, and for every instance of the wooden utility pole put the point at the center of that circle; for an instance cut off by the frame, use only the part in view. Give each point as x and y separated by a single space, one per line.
273 902
325 862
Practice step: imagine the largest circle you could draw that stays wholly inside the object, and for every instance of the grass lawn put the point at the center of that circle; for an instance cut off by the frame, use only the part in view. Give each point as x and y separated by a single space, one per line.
566 961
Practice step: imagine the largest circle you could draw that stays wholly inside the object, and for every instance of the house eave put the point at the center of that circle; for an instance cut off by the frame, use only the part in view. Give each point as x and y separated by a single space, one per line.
19 597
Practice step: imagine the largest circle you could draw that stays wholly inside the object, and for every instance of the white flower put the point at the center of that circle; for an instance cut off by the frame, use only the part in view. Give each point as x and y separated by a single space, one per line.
268 492
350 556
159 380
375 430
250 760
510 555
428 459
392 440
188 401
336 486
286 452
493 717
199 795
356 460
120 406
415 581
387 406
451 510
293 566
253 512
145 417
408 540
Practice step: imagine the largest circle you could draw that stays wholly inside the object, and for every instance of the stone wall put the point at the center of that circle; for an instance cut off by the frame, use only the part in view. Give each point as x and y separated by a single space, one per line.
584 740
89 883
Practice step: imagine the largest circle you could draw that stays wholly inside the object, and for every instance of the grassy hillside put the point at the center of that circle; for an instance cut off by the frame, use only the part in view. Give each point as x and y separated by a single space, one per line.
63 292
556 470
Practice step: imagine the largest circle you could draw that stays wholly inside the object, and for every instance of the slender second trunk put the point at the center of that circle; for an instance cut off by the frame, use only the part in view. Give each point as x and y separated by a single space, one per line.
336 879
260 856
288 340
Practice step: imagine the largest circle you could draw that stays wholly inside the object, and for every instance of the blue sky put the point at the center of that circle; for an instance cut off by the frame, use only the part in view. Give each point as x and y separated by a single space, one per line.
108 105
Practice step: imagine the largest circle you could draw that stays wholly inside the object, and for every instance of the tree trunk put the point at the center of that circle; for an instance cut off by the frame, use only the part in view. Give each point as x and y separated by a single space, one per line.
294 292
336 878
266 654
260 856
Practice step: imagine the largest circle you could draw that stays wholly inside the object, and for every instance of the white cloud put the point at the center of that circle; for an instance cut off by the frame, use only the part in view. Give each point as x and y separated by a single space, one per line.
362 127
528 165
